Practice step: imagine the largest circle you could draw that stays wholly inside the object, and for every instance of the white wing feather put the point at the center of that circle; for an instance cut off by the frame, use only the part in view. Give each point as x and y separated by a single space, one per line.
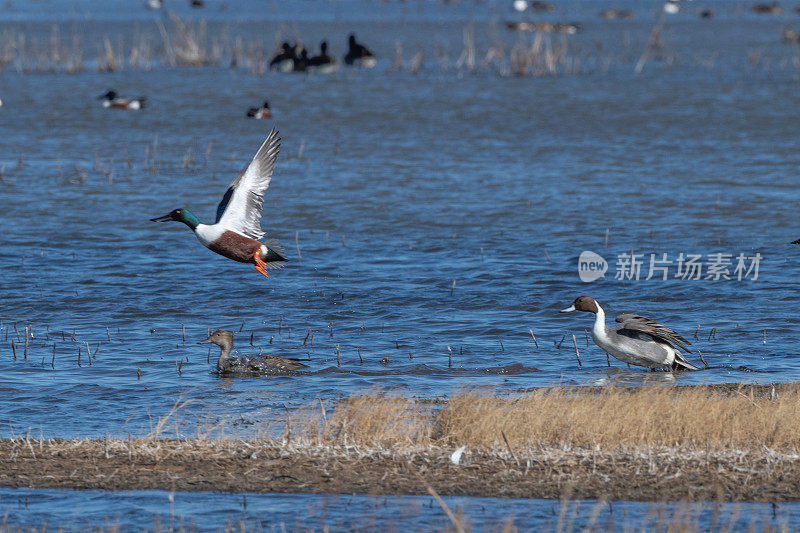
242 213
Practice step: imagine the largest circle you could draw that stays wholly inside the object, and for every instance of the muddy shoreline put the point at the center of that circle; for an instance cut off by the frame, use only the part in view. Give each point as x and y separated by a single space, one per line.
546 472
727 443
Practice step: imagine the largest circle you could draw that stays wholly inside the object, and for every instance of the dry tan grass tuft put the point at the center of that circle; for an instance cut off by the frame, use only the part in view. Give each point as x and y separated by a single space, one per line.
372 420
649 416
701 417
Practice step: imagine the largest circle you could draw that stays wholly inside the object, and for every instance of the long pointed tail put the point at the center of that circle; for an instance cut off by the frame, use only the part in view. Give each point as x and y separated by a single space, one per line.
680 363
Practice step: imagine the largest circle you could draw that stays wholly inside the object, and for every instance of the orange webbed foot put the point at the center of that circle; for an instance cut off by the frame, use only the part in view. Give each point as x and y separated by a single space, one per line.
261 266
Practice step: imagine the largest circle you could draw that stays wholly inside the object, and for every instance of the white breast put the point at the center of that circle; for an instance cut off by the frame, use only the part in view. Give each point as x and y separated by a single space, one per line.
207 234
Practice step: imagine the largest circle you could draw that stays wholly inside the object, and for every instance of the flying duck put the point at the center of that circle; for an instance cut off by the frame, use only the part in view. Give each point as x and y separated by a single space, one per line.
236 231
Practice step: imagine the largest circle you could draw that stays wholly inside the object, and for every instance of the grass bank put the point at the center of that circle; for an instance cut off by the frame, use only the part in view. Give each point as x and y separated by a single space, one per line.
734 443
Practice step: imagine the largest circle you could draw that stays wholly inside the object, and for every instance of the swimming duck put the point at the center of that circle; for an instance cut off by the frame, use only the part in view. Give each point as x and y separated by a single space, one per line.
284 60
247 364
236 231
358 55
544 7
301 62
322 63
773 8
111 100
637 340
260 112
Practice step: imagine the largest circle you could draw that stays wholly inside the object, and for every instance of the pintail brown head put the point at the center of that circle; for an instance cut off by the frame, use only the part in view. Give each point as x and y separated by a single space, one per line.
582 303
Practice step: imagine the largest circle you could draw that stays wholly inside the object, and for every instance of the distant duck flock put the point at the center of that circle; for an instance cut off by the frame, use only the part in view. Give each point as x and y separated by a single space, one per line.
295 58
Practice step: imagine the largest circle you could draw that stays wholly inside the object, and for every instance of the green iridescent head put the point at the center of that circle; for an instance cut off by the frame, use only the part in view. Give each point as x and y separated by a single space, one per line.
179 215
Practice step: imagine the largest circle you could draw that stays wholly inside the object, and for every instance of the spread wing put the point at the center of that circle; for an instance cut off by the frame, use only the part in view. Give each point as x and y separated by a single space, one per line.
240 208
640 324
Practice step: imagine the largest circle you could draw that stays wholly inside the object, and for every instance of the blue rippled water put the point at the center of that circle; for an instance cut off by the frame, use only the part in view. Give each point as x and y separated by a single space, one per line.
203 511
424 215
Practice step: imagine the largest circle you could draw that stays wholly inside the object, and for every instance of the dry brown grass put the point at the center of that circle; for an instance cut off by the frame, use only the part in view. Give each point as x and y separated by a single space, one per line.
701 417
649 416
371 420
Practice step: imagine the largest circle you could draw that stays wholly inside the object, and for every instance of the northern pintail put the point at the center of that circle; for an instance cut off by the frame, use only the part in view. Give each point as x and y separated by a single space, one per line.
111 100
247 364
358 55
236 231
637 340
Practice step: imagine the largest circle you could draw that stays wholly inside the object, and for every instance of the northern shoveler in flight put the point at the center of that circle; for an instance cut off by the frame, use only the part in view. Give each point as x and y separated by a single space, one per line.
236 232
260 112
111 100
247 364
